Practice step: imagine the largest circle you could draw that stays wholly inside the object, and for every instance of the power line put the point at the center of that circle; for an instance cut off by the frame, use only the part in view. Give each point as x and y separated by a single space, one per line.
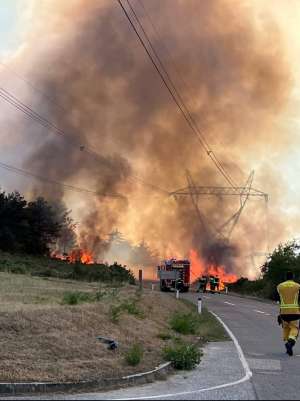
33 86
180 104
18 104
25 173
179 75
203 141
33 115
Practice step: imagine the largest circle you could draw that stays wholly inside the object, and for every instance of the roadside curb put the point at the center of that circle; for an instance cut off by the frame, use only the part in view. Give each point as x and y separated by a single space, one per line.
159 373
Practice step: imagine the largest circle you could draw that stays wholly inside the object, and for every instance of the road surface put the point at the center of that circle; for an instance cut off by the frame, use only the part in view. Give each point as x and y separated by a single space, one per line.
254 324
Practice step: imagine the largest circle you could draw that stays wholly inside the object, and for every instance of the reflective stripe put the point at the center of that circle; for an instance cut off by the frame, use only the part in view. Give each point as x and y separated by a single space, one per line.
283 305
289 306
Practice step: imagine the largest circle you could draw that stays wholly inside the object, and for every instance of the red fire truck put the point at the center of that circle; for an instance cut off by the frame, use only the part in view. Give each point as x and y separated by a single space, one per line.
174 274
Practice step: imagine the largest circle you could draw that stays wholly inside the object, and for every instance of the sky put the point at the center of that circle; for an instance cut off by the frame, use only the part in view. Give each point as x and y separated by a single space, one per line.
9 29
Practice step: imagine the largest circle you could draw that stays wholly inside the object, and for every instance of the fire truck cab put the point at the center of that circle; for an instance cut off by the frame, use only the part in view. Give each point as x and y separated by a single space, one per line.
174 274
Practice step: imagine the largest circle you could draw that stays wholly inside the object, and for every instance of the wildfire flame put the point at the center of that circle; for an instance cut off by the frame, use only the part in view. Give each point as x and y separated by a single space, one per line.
199 268
77 255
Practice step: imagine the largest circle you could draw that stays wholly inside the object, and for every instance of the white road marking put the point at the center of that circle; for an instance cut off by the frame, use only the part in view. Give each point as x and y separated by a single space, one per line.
248 373
259 311
229 303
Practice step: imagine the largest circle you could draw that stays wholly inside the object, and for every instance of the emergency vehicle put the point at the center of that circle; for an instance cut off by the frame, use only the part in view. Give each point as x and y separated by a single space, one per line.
174 274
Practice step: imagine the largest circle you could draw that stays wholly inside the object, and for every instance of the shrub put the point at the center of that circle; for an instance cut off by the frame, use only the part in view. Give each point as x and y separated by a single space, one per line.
185 323
76 297
100 295
115 312
131 307
164 336
18 269
182 355
134 355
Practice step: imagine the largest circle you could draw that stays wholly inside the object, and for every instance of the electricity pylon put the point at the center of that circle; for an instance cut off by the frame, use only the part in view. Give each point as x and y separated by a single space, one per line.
194 191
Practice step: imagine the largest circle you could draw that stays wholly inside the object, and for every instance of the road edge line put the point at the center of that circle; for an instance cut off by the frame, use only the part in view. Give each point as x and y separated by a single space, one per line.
248 373
242 358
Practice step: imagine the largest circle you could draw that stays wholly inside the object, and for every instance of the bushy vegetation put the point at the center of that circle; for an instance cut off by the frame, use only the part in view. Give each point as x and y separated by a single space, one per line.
134 355
129 306
185 323
28 232
182 355
77 297
164 336
284 258
46 267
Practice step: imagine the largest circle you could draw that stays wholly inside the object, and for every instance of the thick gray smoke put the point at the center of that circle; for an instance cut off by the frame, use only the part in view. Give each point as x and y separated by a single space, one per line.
87 57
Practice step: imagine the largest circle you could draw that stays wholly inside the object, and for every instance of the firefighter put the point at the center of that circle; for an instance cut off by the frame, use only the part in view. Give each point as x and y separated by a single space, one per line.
217 282
212 284
202 284
289 311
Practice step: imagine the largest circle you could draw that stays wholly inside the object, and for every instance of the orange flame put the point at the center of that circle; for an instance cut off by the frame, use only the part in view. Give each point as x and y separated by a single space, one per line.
77 255
199 268
86 258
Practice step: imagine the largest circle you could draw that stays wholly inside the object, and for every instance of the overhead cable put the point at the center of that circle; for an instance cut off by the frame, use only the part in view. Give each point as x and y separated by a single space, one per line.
33 115
177 99
69 187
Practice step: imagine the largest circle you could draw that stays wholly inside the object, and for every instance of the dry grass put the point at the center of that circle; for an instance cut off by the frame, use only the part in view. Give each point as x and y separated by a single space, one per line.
41 339
24 292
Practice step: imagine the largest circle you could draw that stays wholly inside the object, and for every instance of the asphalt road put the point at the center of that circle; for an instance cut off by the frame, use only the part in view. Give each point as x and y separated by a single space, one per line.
254 324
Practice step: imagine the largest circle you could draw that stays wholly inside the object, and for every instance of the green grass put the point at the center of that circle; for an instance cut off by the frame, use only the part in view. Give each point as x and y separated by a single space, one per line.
134 355
185 323
209 328
77 297
182 355
129 306
164 336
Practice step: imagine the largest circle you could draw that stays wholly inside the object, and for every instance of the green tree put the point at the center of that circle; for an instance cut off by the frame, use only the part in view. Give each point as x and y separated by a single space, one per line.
13 222
285 257
67 236
44 229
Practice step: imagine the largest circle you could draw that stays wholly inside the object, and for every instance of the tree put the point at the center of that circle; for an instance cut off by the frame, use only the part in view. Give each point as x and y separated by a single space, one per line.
285 257
13 222
44 229
67 236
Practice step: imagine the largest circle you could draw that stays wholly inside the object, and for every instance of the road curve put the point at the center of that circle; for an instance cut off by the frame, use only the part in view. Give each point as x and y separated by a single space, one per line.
254 324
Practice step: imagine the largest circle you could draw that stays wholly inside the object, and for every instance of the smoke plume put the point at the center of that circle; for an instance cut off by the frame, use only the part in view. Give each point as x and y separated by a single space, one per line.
230 69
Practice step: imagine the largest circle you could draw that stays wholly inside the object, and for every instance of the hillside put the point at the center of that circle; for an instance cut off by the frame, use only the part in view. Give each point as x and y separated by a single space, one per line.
44 338
43 266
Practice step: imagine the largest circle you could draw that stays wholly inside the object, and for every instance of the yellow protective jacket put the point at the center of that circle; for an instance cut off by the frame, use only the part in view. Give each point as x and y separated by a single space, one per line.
289 297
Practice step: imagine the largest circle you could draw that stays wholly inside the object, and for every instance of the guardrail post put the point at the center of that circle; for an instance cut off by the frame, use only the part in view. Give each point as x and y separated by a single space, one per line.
141 279
199 306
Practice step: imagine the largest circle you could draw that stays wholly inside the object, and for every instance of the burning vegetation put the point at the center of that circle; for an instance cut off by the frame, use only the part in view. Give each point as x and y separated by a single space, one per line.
76 255
200 268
